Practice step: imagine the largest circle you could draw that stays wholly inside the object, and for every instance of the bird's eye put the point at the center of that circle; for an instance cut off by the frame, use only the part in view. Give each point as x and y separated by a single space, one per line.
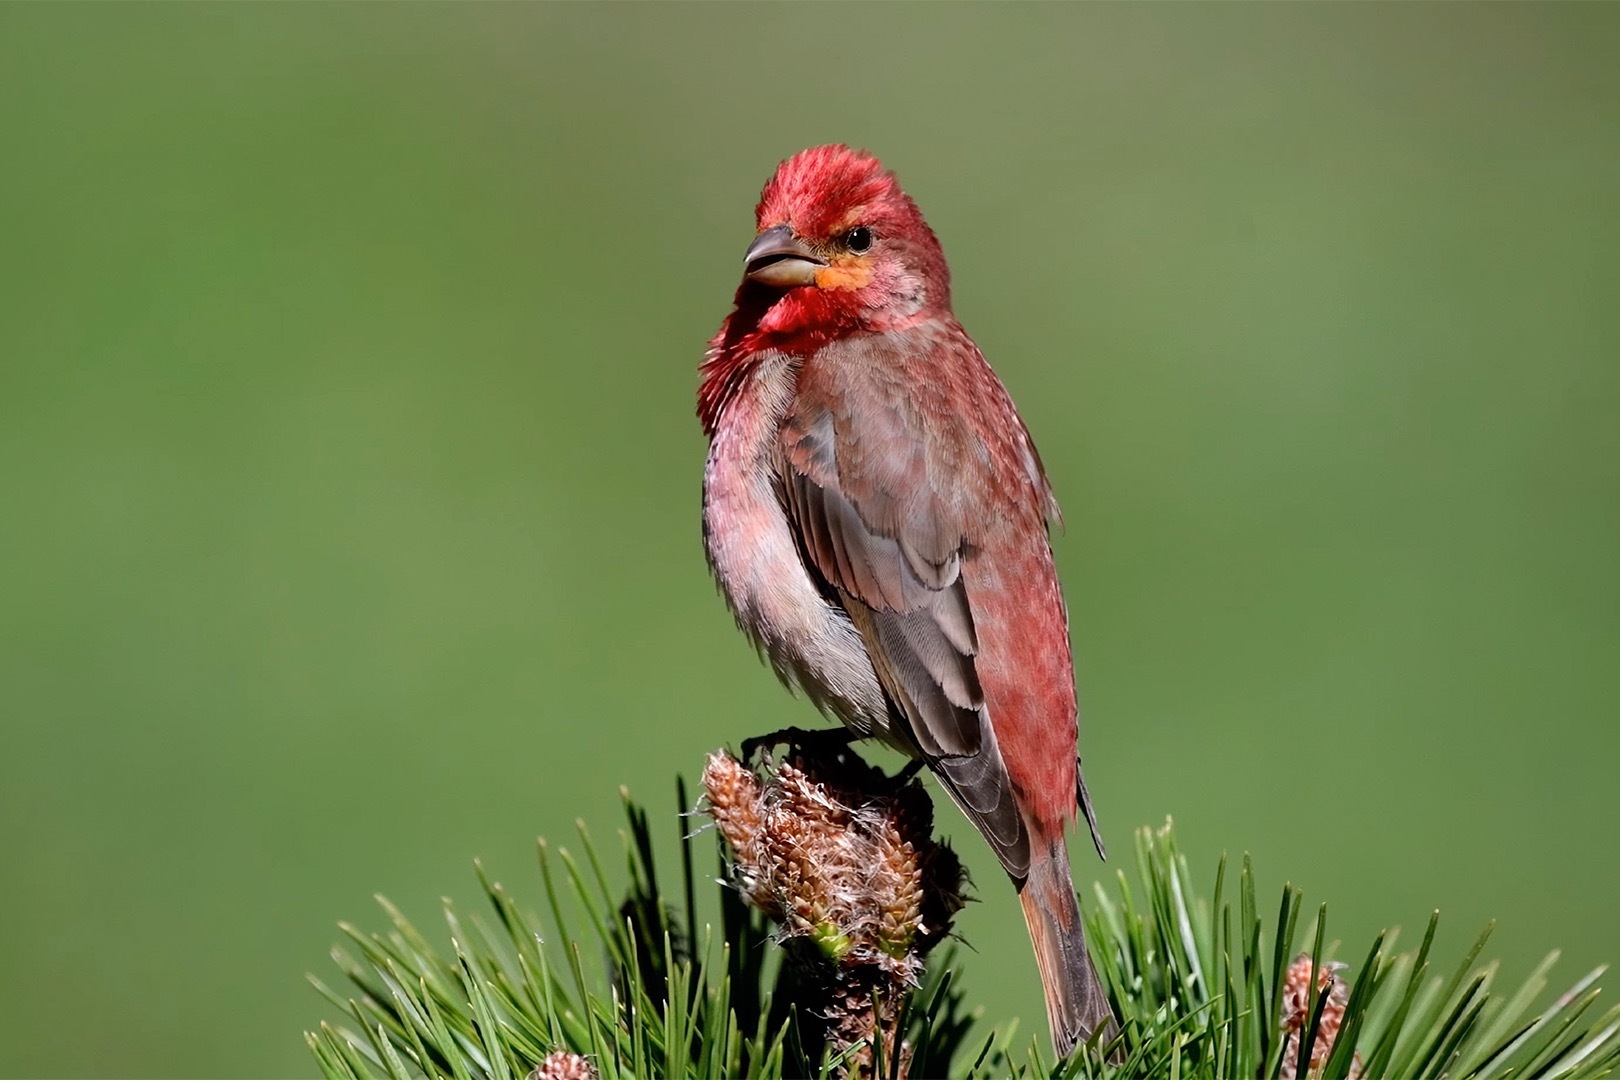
859 239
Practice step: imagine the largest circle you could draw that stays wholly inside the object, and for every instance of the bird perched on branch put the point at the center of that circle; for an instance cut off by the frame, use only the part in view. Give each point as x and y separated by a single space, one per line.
875 513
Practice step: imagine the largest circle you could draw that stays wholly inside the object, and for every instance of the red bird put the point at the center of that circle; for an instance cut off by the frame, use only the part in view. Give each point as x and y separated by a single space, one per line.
875 513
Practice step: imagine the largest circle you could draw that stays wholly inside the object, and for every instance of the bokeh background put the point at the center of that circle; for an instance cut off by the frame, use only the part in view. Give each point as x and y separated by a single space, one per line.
349 478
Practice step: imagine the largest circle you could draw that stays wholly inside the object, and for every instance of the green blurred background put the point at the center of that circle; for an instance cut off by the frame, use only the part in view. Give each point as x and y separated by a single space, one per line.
350 480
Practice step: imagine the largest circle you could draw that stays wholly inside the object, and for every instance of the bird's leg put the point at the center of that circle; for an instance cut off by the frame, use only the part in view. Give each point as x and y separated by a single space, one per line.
882 784
907 774
832 741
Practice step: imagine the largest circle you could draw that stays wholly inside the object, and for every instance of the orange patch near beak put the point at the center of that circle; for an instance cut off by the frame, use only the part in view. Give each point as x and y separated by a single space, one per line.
855 274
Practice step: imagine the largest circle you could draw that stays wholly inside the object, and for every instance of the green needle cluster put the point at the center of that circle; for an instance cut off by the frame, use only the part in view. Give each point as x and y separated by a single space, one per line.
1204 984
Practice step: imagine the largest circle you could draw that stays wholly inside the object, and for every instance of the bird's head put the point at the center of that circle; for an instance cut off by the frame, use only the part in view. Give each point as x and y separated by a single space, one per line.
839 248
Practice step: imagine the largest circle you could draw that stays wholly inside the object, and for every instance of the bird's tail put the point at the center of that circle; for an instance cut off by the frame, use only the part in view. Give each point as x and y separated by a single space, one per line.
1076 1004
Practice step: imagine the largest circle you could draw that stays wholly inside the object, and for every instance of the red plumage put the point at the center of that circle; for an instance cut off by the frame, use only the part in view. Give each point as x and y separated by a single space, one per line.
875 513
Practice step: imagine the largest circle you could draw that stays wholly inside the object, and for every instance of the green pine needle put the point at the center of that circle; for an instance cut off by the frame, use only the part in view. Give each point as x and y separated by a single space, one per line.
1197 983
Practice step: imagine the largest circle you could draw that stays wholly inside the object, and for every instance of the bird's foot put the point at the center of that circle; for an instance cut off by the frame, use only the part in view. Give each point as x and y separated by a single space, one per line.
905 776
832 747
913 767
819 741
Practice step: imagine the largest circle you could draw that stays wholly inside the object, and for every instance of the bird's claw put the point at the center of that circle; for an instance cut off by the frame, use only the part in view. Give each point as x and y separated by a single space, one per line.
832 746
817 740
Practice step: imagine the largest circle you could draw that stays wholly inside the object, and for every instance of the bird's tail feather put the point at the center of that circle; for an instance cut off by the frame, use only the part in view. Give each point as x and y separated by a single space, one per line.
1076 1004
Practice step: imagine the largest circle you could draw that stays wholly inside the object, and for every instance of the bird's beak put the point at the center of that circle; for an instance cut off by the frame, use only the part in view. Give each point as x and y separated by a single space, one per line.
780 259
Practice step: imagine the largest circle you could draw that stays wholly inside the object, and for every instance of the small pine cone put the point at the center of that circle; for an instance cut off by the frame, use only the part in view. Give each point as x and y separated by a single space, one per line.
844 860
799 865
898 879
794 793
734 799
562 1065
737 804
1296 1014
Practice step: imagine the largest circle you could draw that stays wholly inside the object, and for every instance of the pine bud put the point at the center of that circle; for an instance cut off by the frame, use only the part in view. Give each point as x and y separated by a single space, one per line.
1296 1006
562 1065
841 858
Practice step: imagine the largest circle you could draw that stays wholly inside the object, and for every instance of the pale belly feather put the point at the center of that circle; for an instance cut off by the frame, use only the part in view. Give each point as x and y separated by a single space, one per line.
810 643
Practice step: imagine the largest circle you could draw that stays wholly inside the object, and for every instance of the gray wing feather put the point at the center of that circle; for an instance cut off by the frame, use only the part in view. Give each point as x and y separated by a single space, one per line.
902 588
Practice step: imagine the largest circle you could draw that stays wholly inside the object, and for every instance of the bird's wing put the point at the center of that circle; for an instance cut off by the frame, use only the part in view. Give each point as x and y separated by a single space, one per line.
889 547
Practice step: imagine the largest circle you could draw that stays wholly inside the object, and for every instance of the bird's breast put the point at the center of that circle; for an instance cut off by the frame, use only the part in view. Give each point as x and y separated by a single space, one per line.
752 550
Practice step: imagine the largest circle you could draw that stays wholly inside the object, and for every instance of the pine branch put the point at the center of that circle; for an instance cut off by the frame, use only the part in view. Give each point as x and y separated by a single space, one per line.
1205 986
